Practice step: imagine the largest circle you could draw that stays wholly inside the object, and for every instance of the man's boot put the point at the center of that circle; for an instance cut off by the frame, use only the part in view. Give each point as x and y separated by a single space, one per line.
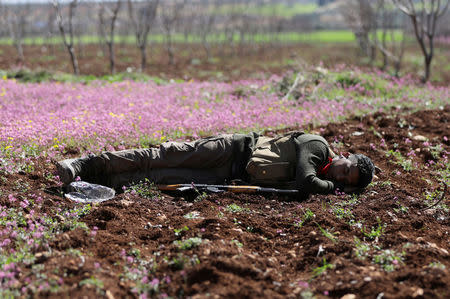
89 168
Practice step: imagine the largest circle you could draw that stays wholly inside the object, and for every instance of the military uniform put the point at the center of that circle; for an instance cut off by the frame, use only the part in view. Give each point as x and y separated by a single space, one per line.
289 161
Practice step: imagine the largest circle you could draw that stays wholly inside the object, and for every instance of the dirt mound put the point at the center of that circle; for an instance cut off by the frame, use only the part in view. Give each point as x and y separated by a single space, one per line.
383 243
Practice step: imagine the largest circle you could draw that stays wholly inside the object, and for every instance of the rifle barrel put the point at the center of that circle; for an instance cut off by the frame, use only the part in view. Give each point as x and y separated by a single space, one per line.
231 188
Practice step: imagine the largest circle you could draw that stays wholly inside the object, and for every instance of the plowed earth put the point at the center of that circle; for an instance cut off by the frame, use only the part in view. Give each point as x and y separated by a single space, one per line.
261 250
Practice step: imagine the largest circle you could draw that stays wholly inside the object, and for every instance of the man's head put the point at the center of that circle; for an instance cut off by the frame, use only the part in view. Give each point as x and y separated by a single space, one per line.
355 171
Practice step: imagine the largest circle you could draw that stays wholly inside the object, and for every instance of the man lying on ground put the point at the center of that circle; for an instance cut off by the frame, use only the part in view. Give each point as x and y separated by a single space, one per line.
294 161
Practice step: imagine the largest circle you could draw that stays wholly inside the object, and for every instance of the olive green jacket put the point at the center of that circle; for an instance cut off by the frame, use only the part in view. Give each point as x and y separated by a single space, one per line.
312 153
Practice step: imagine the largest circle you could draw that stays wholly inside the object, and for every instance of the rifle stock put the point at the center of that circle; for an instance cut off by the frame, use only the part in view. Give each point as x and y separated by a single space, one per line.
222 188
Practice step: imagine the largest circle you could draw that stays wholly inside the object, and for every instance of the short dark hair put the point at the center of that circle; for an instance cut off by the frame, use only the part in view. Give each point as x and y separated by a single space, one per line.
366 170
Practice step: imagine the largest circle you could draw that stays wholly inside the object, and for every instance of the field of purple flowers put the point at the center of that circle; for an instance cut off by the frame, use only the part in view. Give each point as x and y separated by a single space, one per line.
52 247
51 119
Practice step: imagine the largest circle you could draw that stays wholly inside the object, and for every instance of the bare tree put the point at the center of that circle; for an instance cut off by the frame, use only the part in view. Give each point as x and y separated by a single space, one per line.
16 21
391 45
424 18
190 13
66 30
275 27
206 20
50 28
170 14
230 27
142 20
3 21
359 16
243 24
107 17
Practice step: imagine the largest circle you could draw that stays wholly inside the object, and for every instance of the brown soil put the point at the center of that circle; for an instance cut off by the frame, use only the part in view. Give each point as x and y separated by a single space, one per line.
258 252
191 62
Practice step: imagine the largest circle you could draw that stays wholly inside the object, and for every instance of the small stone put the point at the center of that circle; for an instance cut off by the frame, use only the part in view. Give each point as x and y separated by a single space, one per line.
441 250
276 283
420 138
376 274
109 294
367 278
268 272
349 296
250 256
41 257
292 253
417 292
126 203
357 133
297 290
403 236
312 233
380 295
394 218
273 260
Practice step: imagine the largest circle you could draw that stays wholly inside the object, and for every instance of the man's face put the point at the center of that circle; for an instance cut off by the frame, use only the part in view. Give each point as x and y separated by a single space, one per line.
344 171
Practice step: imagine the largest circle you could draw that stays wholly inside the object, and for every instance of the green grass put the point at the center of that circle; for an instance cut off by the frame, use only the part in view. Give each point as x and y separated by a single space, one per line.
234 208
28 76
188 243
322 269
325 36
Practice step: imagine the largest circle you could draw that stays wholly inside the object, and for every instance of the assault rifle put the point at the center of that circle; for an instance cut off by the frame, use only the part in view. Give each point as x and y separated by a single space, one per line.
223 188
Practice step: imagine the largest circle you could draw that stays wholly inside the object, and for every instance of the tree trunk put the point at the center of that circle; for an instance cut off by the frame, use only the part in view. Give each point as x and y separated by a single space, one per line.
373 54
170 49
74 60
397 67
385 61
143 58
112 62
206 48
20 51
428 59
171 56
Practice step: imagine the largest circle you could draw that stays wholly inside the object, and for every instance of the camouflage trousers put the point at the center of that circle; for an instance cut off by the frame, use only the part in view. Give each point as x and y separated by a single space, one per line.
207 161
